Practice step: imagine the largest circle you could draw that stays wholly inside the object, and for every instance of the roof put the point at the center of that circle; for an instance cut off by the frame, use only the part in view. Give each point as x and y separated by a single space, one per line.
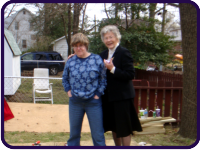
9 20
58 39
12 43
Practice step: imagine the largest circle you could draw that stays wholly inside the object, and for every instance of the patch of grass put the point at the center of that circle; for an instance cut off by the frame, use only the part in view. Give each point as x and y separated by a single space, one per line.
170 138
31 137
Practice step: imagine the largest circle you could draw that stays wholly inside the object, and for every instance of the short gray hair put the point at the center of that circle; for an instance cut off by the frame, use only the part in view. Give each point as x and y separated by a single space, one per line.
110 28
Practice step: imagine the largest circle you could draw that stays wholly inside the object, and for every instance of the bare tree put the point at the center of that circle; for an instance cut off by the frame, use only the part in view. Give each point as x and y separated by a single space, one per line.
126 14
10 9
106 11
69 28
77 9
83 18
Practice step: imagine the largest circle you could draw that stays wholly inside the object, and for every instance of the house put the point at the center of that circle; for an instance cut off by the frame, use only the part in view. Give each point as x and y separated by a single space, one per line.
21 27
175 31
60 45
12 67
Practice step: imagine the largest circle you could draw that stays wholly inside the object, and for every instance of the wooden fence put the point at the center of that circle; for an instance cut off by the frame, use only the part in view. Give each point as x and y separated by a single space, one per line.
167 95
157 76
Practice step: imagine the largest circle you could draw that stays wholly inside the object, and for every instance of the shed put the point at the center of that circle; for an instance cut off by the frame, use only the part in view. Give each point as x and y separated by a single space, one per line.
60 45
12 66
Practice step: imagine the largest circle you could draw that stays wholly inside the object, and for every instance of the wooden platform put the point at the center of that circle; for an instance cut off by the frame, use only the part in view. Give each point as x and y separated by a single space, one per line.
54 118
154 125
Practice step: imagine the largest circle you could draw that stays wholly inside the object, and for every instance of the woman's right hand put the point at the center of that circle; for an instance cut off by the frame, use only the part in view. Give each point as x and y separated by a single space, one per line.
69 93
70 56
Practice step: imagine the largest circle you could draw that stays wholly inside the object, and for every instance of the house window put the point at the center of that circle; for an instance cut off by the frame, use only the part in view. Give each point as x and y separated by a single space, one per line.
24 12
16 25
24 44
31 26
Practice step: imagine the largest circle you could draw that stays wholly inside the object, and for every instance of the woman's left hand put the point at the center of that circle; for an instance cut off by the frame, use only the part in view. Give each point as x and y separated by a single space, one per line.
109 65
96 97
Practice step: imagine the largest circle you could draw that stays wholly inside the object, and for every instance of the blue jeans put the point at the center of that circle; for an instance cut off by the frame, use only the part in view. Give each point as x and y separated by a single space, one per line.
93 109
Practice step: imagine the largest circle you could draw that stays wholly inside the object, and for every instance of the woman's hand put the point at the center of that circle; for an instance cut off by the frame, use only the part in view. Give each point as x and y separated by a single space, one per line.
69 93
109 65
96 97
70 56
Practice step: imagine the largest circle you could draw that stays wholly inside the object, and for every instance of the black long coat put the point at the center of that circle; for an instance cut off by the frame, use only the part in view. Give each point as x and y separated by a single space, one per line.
119 84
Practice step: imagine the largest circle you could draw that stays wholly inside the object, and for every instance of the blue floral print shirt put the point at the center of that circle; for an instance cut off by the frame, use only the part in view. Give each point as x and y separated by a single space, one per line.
85 77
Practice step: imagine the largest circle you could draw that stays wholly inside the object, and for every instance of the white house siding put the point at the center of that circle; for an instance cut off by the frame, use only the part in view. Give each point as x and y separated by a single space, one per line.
11 68
16 73
8 61
61 47
178 37
24 32
177 34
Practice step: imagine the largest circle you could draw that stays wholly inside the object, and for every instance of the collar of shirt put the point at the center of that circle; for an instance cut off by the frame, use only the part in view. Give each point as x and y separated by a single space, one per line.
111 51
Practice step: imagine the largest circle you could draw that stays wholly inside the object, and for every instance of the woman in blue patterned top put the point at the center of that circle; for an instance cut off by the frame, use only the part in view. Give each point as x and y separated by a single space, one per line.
84 80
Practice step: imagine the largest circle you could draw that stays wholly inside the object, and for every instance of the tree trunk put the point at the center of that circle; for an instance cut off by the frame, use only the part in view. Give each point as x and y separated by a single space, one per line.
46 19
77 9
116 10
75 19
188 16
152 9
83 18
126 16
163 18
106 11
69 29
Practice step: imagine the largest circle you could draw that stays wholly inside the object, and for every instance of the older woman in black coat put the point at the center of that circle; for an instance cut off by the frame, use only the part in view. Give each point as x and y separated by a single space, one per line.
119 115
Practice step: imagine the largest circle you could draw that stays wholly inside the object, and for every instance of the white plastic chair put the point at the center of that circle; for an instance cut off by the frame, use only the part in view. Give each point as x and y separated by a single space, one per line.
41 85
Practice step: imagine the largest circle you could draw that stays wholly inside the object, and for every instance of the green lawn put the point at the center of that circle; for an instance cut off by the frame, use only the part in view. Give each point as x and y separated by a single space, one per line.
170 138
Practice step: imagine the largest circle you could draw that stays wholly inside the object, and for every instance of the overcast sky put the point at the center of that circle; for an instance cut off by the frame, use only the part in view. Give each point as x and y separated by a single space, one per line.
98 10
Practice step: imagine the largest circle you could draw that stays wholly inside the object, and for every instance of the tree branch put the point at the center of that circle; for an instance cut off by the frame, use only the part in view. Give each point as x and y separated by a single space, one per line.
83 17
11 10
173 4
84 31
159 10
106 11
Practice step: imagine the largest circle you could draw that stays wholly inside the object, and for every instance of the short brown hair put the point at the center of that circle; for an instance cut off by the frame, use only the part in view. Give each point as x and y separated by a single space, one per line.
79 38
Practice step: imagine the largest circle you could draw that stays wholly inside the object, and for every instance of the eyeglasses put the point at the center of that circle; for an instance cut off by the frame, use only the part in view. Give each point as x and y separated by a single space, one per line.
76 47
108 38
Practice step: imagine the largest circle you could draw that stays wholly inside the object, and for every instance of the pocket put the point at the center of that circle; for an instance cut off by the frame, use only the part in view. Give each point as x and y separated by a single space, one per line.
70 98
96 101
